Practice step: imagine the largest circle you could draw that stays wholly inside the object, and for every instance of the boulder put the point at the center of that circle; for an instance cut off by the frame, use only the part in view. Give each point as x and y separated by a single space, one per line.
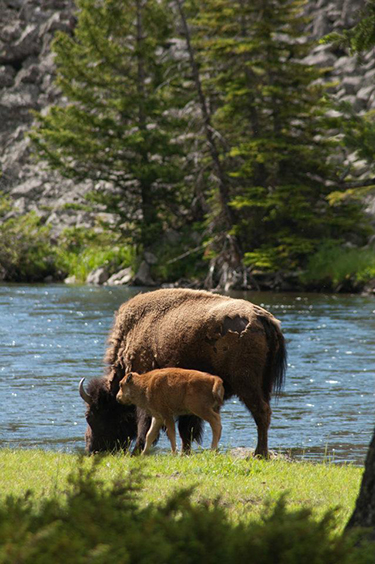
351 84
143 276
124 276
7 74
98 276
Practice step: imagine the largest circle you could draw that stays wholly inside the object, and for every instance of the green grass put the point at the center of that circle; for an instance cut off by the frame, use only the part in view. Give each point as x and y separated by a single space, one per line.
340 268
244 486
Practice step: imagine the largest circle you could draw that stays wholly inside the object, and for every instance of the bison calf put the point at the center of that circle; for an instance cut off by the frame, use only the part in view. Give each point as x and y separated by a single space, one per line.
169 392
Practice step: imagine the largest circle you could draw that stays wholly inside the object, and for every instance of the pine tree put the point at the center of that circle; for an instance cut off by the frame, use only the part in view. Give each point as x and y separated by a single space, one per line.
270 110
115 73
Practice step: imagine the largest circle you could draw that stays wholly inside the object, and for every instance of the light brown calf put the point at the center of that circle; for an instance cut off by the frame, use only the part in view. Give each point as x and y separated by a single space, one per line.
168 392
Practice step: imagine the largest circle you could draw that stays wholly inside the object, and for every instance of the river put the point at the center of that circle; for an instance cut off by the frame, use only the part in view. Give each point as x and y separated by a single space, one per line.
52 336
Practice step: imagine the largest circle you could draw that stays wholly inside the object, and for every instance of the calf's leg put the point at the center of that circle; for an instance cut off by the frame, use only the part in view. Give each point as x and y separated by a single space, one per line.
215 422
156 425
213 418
171 433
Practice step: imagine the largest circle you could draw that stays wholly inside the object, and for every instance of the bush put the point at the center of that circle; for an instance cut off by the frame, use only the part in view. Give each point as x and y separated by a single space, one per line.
26 252
82 250
95 523
339 268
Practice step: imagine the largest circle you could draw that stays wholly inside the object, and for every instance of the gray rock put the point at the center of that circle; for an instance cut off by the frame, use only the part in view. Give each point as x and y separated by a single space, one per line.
369 78
347 66
351 84
98 276
30 189
25 96
365 92
30 74
124 276
322 59
143 276
7 74
71 280
321 25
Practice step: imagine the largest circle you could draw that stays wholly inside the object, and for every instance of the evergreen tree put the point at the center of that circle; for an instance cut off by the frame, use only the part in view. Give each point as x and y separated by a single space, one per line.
115 73
271 112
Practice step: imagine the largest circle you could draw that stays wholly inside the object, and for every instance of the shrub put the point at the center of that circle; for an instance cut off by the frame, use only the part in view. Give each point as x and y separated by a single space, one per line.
339 268
82 250
107 524
26 252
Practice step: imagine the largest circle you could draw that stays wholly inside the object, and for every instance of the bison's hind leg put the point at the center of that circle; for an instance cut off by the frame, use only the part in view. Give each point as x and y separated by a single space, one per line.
261 411
190 429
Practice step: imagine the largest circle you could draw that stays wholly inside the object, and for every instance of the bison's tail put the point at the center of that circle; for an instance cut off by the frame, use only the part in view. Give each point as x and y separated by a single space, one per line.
274 374
218 392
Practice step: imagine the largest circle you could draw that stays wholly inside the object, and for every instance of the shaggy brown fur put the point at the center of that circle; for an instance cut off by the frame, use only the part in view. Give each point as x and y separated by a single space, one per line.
235 339
167 392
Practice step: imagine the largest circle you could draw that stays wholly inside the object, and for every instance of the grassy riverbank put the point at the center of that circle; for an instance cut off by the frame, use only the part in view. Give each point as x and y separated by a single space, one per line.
244 486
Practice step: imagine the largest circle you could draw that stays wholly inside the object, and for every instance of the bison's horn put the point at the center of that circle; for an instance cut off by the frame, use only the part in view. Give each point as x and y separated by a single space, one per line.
84 395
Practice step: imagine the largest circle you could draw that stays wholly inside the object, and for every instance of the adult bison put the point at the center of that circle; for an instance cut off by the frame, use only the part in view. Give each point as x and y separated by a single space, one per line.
231 338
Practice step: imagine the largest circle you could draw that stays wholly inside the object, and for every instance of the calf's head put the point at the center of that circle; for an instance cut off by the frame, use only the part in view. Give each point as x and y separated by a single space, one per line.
128 390
110 425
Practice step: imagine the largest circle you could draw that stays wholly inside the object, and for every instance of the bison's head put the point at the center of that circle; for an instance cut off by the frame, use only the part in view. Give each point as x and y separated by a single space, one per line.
110 425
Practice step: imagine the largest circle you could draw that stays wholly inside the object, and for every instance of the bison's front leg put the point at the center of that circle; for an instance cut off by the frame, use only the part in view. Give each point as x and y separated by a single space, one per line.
190 429
143 426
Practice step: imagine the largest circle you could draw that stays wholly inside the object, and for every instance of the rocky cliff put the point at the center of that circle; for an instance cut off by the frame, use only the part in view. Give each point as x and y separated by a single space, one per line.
26 83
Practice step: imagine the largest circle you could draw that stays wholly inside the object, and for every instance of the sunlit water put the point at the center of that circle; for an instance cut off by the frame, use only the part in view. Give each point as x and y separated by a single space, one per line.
51 336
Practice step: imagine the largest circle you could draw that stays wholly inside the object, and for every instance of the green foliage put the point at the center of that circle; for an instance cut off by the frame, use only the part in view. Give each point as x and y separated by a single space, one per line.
116 73
81 250
335 267
97 522
130 119
270 109
359 134
181 258
26 252
360 37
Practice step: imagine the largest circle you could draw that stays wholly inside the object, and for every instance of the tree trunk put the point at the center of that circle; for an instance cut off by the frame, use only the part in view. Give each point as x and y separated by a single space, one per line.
226 268
222 181
364 512
149 210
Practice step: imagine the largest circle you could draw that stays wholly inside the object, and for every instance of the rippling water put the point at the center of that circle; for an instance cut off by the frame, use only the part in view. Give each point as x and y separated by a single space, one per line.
51 336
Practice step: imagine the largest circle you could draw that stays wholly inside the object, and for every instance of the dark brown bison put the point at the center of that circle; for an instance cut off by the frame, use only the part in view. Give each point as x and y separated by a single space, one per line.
234 339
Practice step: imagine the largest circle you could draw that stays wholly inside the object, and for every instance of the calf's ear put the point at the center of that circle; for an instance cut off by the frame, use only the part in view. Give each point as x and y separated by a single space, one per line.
129 378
